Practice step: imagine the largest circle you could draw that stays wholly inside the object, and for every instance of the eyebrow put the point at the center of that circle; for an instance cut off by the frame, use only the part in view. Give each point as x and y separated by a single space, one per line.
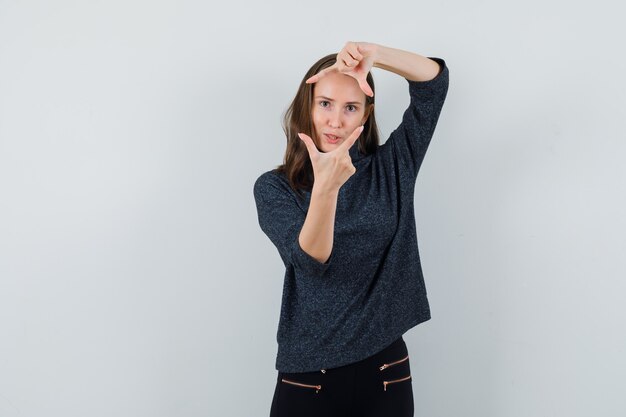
330 99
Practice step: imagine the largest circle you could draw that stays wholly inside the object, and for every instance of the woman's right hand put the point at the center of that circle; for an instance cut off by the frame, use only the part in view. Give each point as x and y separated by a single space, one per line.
332 169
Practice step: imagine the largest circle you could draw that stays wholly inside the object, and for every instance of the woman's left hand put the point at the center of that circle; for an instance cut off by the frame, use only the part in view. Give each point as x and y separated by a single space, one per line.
355 59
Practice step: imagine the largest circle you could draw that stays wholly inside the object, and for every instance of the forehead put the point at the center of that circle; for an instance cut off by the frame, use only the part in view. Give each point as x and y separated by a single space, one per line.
339 87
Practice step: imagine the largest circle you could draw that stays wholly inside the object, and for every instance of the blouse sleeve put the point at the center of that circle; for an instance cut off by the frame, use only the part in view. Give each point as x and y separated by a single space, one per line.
281 219
410 140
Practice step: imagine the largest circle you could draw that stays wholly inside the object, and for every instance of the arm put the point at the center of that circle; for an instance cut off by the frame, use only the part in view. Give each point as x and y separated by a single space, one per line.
316 237
282 219
331 170
409 65
427 79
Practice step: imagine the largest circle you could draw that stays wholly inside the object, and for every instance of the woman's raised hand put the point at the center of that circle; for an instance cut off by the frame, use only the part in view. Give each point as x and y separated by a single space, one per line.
332 169
355 60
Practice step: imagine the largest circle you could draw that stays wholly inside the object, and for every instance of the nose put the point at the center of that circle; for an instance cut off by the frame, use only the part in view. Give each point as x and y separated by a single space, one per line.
335 120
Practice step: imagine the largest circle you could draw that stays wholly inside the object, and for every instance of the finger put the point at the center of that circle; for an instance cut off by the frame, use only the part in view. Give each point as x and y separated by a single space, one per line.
353 50
364 48
322 73
310 146
366 87
347 144
345 61
349 61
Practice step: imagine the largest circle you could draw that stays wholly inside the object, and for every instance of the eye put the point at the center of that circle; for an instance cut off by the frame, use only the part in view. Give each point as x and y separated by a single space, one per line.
354 107
323 101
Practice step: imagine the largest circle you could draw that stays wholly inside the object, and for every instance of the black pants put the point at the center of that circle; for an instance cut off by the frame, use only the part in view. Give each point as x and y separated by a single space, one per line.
377 386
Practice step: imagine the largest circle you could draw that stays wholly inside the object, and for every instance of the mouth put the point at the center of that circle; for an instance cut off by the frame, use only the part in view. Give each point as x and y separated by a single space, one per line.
331 138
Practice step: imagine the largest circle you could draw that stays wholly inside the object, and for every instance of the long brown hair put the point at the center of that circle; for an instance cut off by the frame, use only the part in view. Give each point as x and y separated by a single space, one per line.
297 118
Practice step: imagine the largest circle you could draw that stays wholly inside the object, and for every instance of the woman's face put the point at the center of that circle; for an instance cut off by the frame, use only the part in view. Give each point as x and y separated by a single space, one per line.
338 109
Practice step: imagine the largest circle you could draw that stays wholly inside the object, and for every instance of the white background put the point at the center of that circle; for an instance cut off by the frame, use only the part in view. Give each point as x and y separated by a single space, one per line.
135 280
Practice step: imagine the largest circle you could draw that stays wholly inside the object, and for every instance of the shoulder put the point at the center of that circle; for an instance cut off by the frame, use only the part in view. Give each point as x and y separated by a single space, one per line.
269 183
269 178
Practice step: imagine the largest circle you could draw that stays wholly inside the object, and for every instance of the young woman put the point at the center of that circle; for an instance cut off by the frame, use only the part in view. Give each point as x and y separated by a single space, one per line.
340 212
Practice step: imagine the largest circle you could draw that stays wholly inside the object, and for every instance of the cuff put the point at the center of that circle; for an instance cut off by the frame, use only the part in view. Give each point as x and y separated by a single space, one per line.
439 78
425 91
308 264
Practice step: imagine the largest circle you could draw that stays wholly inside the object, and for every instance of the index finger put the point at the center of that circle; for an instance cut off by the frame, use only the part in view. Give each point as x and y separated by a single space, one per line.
316 77
347 144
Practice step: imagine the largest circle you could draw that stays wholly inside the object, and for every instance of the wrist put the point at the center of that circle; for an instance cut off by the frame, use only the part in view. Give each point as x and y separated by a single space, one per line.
377 54
323 190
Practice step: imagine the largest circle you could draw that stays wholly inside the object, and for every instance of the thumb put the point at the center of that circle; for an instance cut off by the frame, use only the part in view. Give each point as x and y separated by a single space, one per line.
366 87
